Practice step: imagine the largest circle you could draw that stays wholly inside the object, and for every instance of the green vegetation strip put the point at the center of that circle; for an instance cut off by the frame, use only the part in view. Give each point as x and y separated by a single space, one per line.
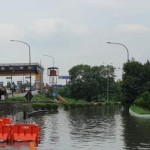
139 110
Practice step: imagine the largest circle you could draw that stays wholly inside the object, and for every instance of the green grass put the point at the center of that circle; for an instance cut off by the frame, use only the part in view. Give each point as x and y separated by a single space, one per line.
46 106
16 99
139 110
22 99
42 101
40 97
73 101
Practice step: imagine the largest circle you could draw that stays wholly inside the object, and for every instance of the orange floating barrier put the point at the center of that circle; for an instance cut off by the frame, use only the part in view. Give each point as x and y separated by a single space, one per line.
4 121
25 132
18 132
5 132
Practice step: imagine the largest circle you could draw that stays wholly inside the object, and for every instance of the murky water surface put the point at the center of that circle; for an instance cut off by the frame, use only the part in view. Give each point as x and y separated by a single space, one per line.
89 128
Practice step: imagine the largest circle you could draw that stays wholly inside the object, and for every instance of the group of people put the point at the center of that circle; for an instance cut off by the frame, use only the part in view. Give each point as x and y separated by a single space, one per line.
3 93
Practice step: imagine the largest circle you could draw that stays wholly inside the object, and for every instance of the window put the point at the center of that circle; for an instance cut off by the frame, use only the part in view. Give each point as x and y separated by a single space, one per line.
30 67
21 67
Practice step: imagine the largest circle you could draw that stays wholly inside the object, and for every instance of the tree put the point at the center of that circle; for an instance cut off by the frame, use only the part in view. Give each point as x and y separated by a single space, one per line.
77 79
146 76
136 79
90 83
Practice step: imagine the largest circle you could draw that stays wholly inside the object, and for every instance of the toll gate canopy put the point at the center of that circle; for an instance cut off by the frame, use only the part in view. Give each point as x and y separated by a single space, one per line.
19 69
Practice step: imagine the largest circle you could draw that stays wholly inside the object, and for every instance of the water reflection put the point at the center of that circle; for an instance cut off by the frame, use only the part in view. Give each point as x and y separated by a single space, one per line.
18 146
136 132
6 109
95 125
82 128
89 128
97 129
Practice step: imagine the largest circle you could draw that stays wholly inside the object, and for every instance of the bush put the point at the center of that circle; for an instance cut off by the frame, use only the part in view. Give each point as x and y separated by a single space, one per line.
17 99
38 106
51 106
39 97
139 110
146 96
143 100
44 106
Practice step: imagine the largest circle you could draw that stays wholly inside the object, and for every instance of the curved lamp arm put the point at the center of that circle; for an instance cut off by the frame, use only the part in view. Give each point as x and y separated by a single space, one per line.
124 47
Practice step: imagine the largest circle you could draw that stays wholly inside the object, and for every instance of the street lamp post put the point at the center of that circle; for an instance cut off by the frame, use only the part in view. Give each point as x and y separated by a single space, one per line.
51 57
53 80
124 47
29 57
53 66
107 85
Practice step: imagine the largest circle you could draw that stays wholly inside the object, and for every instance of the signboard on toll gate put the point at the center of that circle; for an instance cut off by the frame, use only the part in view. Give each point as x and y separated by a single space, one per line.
8 77
1 83
19 82
63 77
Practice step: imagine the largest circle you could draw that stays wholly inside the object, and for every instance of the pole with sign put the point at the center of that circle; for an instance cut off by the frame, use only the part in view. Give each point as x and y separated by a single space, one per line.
64 77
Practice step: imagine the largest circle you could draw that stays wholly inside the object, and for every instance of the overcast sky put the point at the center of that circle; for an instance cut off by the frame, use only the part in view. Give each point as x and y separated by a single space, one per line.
74 31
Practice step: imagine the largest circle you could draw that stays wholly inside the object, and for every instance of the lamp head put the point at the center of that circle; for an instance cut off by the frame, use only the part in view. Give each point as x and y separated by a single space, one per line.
108 42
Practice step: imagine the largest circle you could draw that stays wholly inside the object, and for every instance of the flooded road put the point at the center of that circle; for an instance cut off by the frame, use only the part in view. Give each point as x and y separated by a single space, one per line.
90 128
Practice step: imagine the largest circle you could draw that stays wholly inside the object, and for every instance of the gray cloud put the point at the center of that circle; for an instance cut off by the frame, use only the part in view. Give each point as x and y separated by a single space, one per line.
9 31
50 26
133 28
75 31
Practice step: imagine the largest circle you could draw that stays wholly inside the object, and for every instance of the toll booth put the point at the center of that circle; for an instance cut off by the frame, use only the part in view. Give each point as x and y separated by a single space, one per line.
23 69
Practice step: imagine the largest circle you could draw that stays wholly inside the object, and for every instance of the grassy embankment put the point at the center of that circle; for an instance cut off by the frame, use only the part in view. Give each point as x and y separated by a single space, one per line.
139 110
41 102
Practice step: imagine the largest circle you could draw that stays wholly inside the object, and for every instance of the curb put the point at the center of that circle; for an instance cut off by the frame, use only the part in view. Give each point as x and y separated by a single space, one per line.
138 115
